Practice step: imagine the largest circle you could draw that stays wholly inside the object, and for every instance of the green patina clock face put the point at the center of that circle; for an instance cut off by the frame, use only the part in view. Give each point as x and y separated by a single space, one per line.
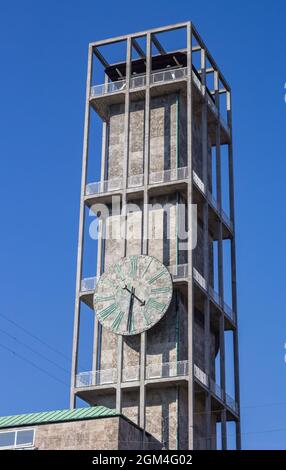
133 294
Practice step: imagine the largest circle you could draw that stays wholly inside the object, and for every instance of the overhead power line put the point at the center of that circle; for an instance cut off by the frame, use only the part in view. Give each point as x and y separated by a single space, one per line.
32 335
33 364
52 348
34 351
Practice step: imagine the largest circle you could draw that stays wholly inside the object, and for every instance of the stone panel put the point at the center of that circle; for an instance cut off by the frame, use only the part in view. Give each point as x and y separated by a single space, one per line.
93 434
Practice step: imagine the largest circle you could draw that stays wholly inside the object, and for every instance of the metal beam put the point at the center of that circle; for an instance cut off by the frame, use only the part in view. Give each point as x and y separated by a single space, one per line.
120 339
143 338
233 270
138 49
100 57
81 232
162 29
207 358
97 333
220 264
191 396
210 58
158 45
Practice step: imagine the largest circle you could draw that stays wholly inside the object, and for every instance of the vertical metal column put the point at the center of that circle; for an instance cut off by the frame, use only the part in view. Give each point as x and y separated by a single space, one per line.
81 231
233 270
220 261
100 252
190 238
123 219
204 118
143 337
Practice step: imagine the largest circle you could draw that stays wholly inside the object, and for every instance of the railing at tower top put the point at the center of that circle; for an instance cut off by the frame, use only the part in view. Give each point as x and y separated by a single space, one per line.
107 88
169 75
158 78
139 81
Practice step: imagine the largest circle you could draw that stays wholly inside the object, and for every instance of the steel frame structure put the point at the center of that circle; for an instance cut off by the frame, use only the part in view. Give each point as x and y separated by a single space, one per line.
194 43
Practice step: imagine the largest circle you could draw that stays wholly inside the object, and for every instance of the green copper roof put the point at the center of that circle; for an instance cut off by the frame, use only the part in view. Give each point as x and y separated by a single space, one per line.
56 416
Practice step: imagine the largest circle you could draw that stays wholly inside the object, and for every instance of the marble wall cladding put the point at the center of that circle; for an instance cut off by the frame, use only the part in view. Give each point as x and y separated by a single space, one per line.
80 435
161 415
113 243
130 405
162 338
182 142
166 407
163 229
108 350
136 138
203 440
164 133
134 228
168 141
115 142
199 344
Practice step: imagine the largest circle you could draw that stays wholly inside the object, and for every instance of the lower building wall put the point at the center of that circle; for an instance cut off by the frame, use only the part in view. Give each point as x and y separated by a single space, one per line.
112 433
89 435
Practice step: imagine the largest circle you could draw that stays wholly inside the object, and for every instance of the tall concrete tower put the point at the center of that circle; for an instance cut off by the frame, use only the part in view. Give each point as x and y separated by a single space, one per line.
163 292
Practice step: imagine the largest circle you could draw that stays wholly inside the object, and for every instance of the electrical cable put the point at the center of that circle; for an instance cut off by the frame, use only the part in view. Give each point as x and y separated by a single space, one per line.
33 350
32 364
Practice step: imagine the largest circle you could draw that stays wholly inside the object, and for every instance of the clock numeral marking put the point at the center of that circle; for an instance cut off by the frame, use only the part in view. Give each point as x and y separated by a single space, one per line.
101 298
152 303
147 267
157 276
115 325
108 282
146 319
133 269
106 312
119 272
160 290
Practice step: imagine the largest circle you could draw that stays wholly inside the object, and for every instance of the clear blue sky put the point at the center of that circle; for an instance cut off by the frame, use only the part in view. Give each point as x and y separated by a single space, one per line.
43 72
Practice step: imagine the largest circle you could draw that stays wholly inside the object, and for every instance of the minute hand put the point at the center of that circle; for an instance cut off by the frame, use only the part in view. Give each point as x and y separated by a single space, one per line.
129 319
142 302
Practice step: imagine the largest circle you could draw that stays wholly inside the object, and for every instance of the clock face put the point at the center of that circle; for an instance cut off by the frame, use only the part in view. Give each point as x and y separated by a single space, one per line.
133 295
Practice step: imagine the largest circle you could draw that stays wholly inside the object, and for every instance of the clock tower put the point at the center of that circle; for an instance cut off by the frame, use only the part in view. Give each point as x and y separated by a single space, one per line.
161 287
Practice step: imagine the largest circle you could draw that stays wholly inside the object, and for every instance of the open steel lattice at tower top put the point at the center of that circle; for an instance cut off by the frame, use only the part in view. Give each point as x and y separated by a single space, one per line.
165 109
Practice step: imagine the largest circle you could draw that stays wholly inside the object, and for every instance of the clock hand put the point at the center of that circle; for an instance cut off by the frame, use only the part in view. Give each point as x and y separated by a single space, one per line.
142 302
130 308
